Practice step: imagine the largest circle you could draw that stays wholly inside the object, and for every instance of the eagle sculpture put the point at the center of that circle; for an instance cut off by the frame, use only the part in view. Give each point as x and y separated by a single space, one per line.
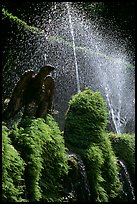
32 91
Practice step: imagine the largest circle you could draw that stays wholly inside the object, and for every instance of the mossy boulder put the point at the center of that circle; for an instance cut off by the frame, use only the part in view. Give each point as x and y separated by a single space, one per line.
124 148
85 126
13 166
40 145
86 118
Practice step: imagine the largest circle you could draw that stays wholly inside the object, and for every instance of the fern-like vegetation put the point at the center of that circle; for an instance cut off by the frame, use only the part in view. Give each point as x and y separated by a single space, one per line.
35 162
13 166
20 23
85 126
124 148
41 147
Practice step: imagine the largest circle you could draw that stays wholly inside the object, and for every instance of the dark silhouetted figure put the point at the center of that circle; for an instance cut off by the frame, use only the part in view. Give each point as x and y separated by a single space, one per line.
33 92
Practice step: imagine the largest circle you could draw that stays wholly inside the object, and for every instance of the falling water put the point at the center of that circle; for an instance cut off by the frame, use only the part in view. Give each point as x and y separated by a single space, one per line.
116 119
126 175
104 64
79 185
112 114
84 176
74 49
84 54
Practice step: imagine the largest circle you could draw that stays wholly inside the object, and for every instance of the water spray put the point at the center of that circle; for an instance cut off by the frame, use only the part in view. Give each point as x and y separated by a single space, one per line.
74 47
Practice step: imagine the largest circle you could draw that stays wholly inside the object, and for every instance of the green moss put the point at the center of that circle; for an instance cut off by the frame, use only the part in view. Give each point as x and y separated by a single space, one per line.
41 145
94 161
19 22
13 168
124 148
85 126
34 161
86 119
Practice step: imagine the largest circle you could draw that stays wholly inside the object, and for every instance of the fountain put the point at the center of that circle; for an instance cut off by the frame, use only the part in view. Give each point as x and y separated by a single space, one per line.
86 55
76 184
74 48
127 185
116 119
85 185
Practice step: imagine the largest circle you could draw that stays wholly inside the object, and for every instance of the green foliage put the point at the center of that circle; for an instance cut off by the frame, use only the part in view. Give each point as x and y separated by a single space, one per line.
42 147
102 170
19 22
12 171
85 126
86 119
55 164
110 169
124 148
95 160
29 145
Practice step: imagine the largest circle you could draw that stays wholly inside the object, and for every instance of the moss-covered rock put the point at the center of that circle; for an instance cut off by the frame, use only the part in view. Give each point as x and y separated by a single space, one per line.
85 126
86 119
13 166
124 148
41 146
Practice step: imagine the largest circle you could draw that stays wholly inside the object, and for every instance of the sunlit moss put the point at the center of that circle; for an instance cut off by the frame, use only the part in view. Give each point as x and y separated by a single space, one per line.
41 147
85 125
124 148
20 22
13 168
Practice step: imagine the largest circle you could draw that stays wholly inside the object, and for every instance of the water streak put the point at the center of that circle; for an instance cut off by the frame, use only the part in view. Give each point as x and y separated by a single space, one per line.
74 47
84 175
131 190
81 188
116 123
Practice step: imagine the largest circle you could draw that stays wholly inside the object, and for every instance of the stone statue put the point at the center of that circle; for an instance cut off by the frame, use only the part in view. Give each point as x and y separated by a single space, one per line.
33 92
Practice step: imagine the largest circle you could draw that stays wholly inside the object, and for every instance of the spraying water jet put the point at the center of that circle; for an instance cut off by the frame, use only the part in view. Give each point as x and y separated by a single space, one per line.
86 57
74 47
